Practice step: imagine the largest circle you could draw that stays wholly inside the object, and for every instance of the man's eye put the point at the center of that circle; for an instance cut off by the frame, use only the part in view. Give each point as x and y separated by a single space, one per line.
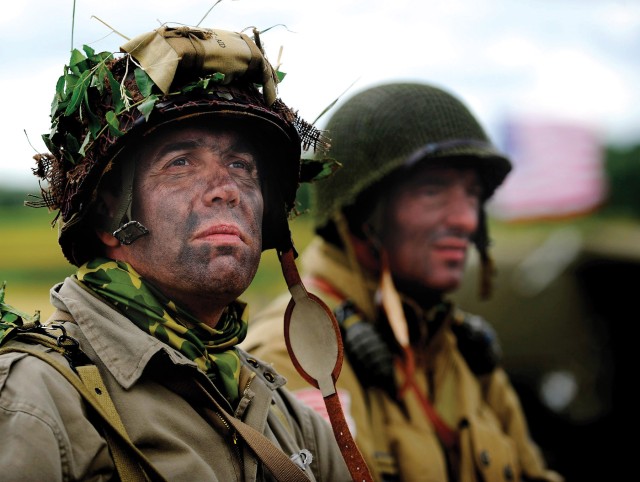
244 165
430 189
179 161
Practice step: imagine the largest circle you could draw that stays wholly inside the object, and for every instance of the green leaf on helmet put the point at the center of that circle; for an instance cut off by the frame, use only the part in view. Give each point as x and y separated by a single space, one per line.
217 77
70 81
46 138
280 75
97 79
114 123
59 95
79 91
60 85
87 138
71 143
76 57
77 62
89 51
144 82
146 107
117 102
312 170
95 124
71 147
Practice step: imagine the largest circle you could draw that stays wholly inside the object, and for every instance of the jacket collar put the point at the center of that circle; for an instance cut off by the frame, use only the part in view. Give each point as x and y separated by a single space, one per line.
124 349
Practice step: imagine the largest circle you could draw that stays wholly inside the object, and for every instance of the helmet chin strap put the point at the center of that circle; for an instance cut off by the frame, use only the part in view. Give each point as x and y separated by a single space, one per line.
315 347
487 266
121 225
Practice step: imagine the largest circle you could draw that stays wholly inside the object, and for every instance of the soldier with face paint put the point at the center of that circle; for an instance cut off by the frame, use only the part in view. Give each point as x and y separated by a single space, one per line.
422 384
172 165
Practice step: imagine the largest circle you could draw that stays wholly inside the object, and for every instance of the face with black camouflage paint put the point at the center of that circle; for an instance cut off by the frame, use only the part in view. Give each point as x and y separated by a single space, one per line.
198 192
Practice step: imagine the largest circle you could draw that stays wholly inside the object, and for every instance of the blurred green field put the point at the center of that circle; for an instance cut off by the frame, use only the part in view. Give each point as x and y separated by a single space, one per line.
31 261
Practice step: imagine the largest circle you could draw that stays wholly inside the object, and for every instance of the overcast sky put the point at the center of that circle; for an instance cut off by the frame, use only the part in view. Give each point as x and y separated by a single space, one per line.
568 59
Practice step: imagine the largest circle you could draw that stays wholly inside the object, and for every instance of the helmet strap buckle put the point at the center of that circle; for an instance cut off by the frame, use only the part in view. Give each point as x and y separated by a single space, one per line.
129 232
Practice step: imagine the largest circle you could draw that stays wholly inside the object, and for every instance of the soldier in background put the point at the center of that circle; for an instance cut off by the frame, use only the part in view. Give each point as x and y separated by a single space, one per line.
422 384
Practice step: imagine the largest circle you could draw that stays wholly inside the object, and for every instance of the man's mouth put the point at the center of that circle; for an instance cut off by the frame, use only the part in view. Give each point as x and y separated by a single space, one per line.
453 249
220 233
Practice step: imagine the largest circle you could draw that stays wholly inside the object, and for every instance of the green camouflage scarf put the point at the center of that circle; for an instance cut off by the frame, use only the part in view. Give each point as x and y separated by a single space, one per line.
137 299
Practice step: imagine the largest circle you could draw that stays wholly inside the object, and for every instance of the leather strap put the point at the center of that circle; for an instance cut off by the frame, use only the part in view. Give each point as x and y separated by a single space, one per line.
314 343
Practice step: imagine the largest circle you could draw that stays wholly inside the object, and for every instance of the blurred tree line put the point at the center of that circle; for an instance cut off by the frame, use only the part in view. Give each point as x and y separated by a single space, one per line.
622 166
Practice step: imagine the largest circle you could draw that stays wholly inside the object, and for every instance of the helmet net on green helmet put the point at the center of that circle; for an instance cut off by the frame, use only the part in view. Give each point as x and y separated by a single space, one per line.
386 128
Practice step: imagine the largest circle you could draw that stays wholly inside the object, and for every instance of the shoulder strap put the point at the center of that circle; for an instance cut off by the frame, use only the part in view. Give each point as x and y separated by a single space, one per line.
125 453
131 464
276 461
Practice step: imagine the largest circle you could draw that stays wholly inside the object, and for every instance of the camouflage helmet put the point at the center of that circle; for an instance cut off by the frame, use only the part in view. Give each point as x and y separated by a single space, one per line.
104 102
393 126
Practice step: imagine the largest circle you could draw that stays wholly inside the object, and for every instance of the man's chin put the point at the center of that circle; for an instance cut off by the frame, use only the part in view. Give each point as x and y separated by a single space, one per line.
230 269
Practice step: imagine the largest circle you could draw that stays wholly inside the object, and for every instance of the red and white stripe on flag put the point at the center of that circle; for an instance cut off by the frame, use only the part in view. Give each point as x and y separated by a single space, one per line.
558 170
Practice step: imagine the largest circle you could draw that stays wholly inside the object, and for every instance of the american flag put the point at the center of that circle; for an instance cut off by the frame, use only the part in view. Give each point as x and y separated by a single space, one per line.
558 170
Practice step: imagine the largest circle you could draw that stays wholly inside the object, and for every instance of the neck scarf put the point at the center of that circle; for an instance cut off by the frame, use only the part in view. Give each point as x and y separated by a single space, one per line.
212 349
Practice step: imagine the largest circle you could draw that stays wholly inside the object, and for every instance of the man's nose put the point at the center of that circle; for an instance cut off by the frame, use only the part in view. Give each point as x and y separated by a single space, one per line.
462 211
220 187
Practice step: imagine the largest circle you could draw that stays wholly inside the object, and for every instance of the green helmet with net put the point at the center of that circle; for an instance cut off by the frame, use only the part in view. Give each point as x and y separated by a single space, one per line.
388 128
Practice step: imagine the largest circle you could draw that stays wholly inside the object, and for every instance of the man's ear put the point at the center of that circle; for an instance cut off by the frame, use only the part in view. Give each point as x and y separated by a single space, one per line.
107 239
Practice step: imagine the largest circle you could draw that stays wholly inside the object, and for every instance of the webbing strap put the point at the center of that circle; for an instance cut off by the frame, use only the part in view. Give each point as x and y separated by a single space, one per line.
94 392
127 469
276 461
90 382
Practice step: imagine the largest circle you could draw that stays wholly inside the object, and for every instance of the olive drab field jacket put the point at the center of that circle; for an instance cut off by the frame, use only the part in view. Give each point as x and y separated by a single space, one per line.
398 441
49 434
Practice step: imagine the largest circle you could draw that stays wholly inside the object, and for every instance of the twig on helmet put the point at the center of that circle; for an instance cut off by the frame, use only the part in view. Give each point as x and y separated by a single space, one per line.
73 23
208 12
109 26
277 25
330 106
29 141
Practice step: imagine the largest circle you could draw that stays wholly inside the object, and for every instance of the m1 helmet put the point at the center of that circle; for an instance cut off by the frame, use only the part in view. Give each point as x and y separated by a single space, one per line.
106 102
394 126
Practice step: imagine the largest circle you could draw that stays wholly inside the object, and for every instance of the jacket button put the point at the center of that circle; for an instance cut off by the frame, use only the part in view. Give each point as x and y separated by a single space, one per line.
269 377
484 458
508 472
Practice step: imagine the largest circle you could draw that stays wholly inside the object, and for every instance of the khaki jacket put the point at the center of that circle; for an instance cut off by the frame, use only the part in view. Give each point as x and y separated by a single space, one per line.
47 434
397 440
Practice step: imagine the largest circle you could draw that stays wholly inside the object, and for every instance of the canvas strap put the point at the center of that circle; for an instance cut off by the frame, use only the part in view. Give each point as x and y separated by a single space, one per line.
274 459
130 462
